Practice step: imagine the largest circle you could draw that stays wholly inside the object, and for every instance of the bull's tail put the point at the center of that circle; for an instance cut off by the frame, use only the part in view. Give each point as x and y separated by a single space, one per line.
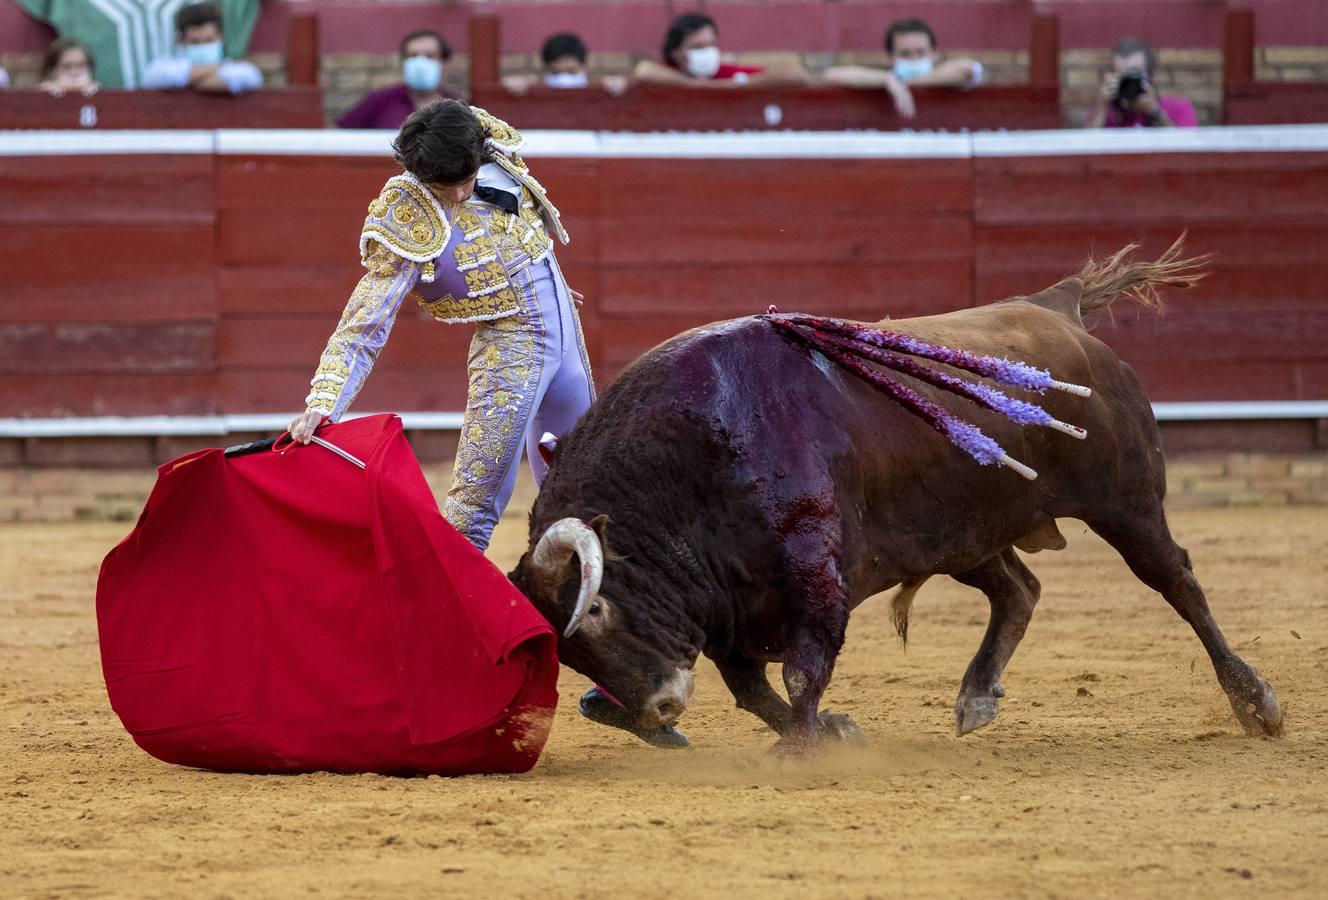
1106 281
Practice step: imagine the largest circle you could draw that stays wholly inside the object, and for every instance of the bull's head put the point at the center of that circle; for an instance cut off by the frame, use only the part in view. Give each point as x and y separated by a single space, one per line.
629 655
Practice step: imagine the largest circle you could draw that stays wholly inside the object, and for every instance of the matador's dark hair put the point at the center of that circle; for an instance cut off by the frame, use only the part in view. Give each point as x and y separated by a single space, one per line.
442 143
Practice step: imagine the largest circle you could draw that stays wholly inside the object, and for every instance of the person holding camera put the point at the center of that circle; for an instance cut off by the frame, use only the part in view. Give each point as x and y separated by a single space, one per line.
1130 100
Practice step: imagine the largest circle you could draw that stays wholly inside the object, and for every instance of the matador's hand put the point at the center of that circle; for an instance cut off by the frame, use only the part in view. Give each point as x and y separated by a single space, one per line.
577 297
303 426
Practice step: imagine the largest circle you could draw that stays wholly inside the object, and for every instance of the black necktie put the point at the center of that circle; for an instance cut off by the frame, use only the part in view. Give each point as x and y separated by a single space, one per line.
499 198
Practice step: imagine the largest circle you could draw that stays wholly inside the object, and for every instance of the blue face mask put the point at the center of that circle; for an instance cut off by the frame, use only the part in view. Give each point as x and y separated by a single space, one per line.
422 73
204 54
908 69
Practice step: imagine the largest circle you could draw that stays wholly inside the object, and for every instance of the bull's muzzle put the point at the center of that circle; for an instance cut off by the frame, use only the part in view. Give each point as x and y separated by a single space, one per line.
664 707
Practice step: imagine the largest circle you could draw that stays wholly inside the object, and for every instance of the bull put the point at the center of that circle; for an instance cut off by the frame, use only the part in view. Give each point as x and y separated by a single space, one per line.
741 488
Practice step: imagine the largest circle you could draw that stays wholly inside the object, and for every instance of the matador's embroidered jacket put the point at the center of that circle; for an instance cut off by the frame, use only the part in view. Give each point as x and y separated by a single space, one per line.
459 270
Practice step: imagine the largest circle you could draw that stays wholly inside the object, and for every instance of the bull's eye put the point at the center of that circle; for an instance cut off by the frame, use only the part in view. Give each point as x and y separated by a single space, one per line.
594 608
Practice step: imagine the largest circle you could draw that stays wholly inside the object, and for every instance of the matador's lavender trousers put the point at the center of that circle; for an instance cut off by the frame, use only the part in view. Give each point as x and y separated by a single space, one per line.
529 374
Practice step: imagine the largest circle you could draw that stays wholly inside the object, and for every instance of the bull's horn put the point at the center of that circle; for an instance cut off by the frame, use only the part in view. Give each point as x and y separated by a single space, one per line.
555 548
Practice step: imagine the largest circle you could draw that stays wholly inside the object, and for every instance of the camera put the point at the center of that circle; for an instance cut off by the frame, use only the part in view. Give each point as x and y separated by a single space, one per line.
1132 83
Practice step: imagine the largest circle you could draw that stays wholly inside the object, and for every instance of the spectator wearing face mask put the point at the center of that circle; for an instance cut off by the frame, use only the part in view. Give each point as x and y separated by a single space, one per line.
691 57
424 56
1128 98
563 65
911 53
200 62
68 67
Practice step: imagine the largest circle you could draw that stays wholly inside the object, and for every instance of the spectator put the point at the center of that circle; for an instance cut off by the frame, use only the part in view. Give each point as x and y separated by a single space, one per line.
912 56
691 57
1128 98
68 66
200 62
424 56
563 59
4 79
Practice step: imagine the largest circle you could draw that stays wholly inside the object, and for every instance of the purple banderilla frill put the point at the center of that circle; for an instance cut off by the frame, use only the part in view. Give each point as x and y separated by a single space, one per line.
849 344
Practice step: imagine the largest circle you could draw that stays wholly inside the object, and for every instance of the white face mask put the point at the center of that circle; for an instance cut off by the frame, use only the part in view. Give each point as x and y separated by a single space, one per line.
703 62
908 69
567 80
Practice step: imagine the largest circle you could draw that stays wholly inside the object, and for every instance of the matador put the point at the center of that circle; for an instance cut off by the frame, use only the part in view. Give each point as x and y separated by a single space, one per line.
468 233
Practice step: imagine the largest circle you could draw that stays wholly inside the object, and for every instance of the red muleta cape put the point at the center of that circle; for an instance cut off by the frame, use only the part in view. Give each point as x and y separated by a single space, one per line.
293 612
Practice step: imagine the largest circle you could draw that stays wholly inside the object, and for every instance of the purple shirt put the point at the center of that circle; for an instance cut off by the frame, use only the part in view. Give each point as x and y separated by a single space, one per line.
385 108
1178 109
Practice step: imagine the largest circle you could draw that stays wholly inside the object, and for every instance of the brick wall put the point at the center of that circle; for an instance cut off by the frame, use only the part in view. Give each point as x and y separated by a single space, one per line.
24 69
1193 482
1291 64
1247 479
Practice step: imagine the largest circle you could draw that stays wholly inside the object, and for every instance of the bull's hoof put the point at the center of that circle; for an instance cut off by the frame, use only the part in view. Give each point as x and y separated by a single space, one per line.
972 713
1259 711
840 727
596 706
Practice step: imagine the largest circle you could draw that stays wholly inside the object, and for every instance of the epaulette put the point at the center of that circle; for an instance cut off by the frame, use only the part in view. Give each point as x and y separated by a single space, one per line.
407 219
501 135
507 139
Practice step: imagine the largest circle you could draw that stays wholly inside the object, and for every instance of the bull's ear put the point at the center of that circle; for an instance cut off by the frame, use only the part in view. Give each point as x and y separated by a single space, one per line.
600 525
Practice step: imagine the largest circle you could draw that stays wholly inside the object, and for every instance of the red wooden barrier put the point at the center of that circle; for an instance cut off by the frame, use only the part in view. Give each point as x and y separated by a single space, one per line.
294 107
1247 102
1254 329
203 284
302 49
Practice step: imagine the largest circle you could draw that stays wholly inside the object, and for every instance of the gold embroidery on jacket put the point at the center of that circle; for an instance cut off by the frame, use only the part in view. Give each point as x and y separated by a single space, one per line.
492 247
448 308
362 317
501 135
487 279
406 218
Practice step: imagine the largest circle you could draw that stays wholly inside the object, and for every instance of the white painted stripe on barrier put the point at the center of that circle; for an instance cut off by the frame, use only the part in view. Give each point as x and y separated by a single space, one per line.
1250 409
304 142
784 145
1224 139
104 143
275 423
187 426
593 145
695 145
563 144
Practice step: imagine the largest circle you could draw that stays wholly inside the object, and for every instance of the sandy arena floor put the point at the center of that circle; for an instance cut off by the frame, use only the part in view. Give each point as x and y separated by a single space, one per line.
1115 769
